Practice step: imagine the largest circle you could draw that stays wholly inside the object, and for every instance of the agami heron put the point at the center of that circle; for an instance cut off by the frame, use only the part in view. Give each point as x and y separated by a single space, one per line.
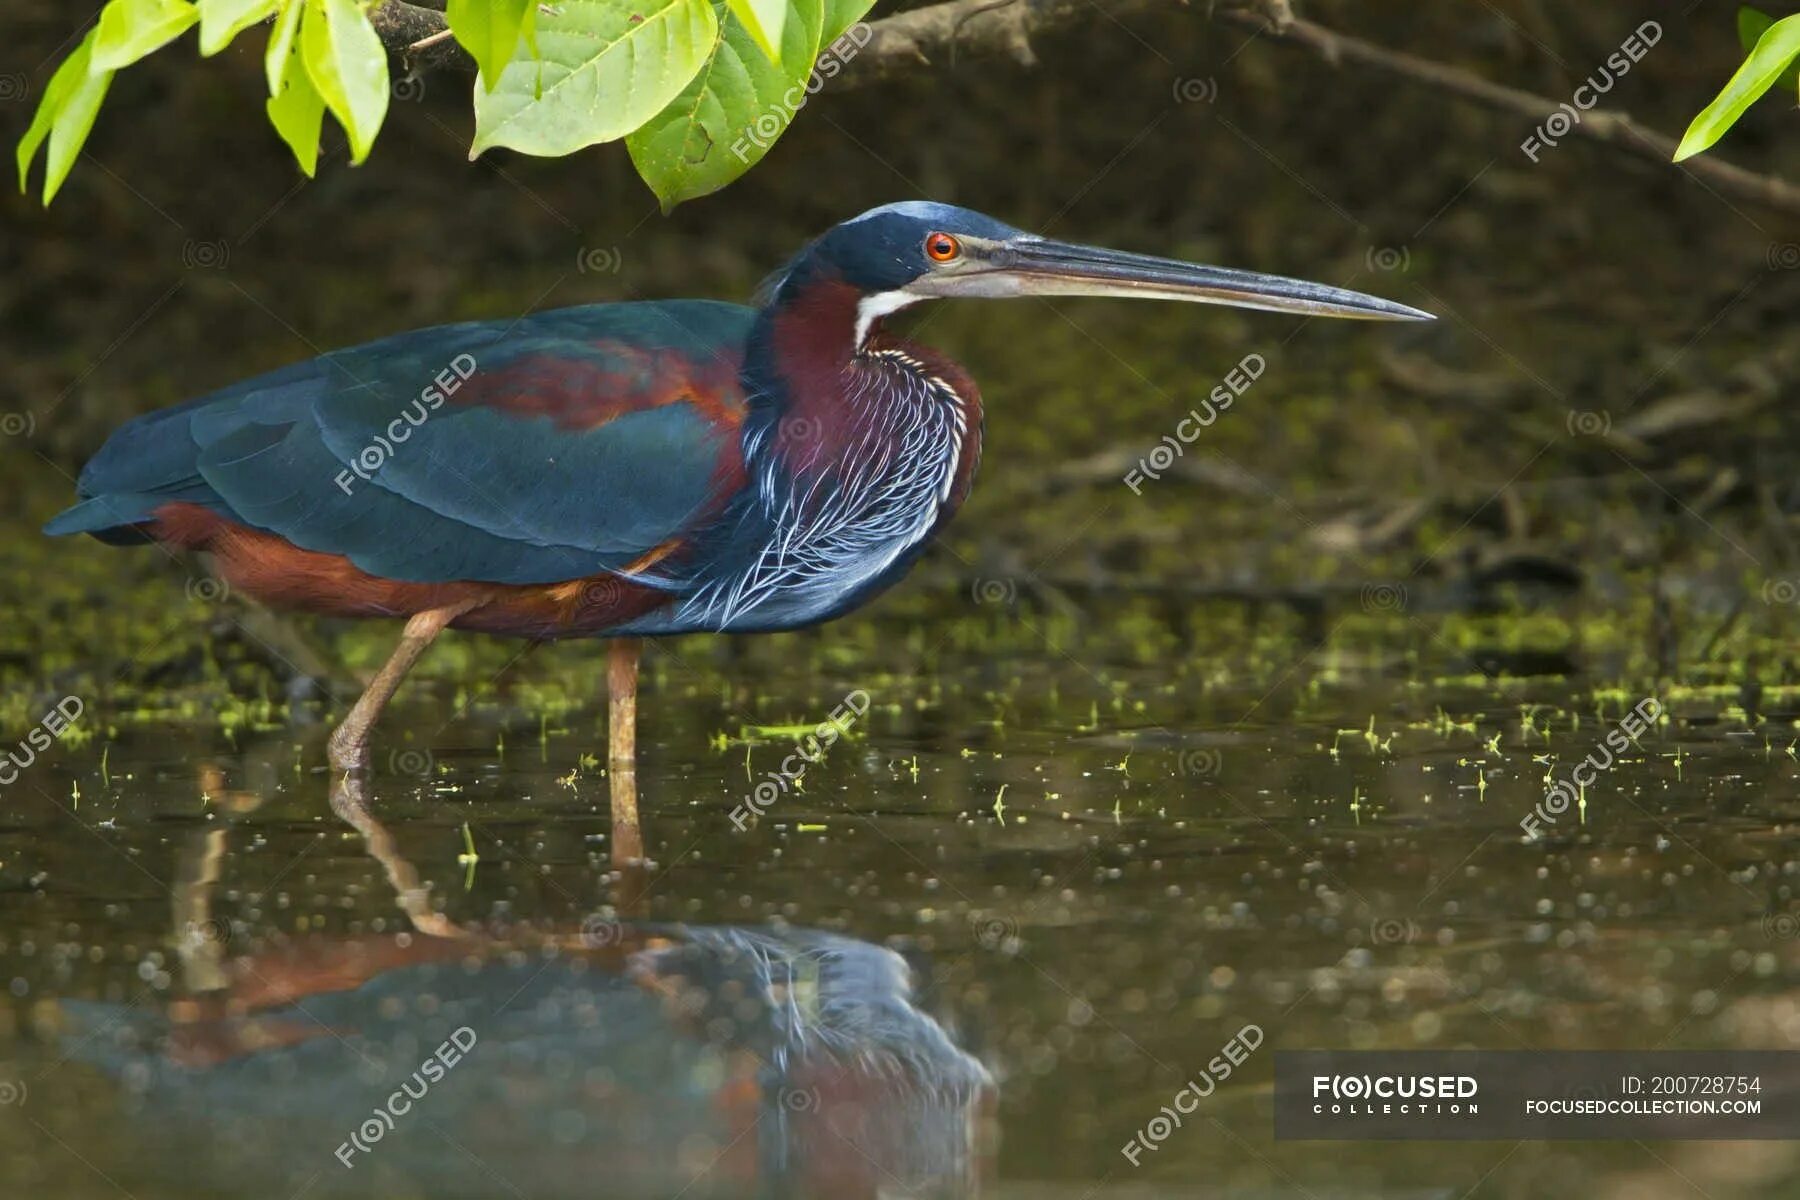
620 470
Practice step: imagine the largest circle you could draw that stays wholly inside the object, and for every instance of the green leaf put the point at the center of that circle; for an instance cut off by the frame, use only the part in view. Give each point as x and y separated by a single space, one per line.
222 20
74 69
65 115
69 132
348 65
130 29
604 67
840 15
1774 50
489 30
281 42
1751 25
297 111
729 116
763 21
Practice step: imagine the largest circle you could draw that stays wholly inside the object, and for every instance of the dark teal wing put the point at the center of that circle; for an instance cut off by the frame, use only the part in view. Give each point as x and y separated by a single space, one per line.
555 447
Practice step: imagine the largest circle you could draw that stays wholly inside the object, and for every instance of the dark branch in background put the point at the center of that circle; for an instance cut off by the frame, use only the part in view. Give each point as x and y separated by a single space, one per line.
1614 130
403 26
938 34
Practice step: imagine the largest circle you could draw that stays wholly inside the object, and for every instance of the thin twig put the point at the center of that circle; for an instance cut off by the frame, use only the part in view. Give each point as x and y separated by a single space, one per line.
1613 130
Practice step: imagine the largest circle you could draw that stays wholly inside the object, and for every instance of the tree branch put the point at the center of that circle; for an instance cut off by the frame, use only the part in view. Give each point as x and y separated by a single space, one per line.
1613 130
940 33
402 26
898 45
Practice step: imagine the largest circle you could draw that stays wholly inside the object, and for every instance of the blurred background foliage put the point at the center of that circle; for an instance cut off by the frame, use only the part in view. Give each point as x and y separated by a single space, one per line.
1588 463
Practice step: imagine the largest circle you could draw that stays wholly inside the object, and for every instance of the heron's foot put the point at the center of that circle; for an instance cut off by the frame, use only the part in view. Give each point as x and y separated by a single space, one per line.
349 748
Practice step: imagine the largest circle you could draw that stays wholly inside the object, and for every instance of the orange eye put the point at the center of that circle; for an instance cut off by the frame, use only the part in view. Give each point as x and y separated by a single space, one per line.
941 247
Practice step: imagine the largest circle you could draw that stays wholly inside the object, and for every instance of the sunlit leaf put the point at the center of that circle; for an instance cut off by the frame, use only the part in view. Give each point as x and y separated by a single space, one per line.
348 65
840 15
281 42
1751 24
222 20
74 119
489 30
1774 50
729 115
763 21
297 111
73 70
604 67
130 29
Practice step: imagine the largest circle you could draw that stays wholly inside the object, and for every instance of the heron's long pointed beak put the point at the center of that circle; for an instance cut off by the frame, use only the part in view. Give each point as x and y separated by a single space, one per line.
1031 266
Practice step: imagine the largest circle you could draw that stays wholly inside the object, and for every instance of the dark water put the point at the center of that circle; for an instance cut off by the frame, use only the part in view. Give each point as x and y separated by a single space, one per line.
1006 918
